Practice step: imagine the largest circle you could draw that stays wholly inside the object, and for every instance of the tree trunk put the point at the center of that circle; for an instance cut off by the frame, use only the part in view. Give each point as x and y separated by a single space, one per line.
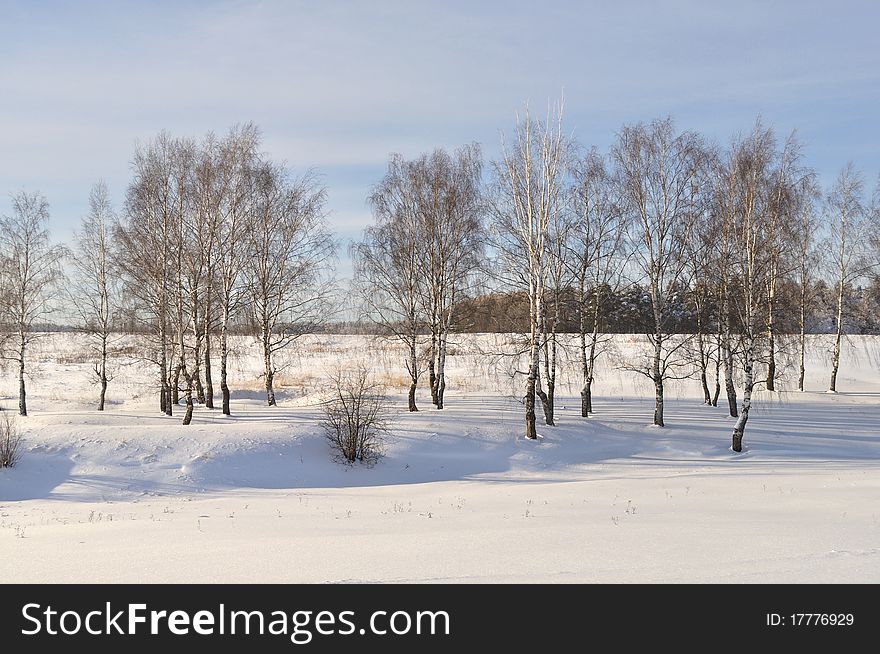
547 403
270 378
748 371
197 363
187 417
585 372
432 368
803 339
224 358
200 389
22 392
717 376
413 373
704 364
103 393
531 382
658 401
835 361
531 431
440 382
587 399
164 388
175 386
771 336
432 380
412 396
727 356
209 382
658 381
103 372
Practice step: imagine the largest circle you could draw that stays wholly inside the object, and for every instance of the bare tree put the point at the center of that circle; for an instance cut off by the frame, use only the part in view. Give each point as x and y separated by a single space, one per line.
288 252
753 161
528 197
806 224
701 273
388 264
449 207
189 270
725 205
145 239
94 287
31 270
597 243
657 169
777 234
232 208
556 284
845 215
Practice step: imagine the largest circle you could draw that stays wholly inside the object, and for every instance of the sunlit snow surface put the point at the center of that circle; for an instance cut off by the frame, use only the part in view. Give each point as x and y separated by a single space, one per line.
131 495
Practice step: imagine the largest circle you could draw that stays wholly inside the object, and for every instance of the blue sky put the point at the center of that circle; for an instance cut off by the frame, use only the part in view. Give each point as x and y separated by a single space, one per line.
339 85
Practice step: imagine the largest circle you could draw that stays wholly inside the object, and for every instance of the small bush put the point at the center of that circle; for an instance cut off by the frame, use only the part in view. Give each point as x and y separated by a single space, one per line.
10 440
355 416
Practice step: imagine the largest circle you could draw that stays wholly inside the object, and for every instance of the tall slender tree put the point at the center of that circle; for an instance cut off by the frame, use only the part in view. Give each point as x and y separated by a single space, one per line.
289 250
449 208
389 265
95 284
656 169
845 215
805 227
30 265
597 259
529 187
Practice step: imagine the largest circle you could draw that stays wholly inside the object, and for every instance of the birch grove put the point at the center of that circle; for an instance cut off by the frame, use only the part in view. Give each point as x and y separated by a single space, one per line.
723 260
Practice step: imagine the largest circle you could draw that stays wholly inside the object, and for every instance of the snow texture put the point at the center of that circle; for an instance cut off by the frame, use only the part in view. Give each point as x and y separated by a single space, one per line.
131 495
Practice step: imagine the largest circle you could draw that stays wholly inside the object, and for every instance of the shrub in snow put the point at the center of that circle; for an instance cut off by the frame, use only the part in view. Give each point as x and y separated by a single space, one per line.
10 440
355 415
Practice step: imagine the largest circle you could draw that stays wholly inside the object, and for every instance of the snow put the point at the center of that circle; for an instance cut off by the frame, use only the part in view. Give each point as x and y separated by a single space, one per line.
132 496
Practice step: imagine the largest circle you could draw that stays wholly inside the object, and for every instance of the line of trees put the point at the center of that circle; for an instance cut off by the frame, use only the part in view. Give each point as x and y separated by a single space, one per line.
211 232
717 253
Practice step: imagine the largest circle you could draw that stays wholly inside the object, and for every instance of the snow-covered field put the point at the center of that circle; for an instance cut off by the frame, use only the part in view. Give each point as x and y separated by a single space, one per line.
132 496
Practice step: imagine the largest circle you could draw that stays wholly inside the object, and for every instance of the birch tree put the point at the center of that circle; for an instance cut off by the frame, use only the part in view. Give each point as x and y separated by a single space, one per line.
555 286
188 266
288 252
388 265
529 181
701 274
656 168
31 273
597 261
845 215
726 189
450 208
232 213
806 225
777 229
95 283
145 248
753 161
